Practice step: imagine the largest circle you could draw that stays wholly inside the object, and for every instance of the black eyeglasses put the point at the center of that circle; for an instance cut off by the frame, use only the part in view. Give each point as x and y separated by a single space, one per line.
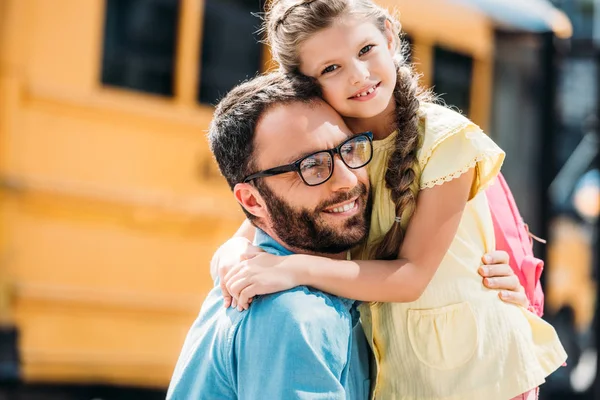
317 168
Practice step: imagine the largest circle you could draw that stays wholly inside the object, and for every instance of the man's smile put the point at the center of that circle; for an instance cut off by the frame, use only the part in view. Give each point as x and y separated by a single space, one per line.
346 208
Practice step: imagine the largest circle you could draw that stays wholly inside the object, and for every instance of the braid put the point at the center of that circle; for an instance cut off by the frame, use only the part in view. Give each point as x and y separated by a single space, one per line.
403 172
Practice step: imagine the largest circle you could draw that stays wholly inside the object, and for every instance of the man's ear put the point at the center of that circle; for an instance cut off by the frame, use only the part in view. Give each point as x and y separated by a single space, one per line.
249 198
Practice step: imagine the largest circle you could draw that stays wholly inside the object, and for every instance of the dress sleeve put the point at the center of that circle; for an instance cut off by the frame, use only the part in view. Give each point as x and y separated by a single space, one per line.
448 155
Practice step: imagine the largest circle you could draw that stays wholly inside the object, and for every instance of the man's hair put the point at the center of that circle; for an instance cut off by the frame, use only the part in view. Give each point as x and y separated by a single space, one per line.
231 132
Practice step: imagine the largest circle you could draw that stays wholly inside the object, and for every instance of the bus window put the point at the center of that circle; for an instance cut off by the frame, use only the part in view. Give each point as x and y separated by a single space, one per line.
139 45
230 50
452 78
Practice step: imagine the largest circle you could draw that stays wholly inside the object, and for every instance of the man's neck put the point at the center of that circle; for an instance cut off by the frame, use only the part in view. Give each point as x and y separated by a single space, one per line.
340 256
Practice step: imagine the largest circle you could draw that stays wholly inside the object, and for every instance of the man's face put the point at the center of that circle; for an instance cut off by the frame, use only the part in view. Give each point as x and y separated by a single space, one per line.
328 218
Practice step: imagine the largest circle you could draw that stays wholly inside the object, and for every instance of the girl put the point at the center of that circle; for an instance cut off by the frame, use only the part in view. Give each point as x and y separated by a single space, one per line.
435 331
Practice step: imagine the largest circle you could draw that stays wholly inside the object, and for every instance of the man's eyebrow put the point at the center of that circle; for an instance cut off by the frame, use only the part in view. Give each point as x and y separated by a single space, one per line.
298 156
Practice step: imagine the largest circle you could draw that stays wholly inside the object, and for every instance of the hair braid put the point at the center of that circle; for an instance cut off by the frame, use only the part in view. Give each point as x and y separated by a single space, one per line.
403 171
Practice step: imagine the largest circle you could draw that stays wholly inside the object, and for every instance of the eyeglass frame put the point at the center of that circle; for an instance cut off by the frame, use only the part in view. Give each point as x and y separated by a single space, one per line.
295 166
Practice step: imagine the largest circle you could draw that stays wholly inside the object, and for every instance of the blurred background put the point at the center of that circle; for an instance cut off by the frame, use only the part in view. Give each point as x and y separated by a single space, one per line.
111 205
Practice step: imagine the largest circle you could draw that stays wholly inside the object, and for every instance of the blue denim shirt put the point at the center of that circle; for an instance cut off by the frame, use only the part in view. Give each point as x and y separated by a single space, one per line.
297 344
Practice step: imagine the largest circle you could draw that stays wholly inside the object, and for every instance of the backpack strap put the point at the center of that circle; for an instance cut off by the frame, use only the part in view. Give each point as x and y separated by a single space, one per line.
512 236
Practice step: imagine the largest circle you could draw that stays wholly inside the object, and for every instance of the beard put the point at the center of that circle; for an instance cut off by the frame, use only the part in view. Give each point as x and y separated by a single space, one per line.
306 230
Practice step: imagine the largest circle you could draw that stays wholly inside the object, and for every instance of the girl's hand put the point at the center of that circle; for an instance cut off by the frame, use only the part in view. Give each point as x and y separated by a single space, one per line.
499 275
262 274
231 253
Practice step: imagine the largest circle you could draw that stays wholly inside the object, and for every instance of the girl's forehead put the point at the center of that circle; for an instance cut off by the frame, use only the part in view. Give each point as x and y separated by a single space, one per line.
345 28
342 35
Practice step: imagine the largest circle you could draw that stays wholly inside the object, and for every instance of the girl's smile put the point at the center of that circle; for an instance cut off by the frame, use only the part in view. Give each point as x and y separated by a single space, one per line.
366 93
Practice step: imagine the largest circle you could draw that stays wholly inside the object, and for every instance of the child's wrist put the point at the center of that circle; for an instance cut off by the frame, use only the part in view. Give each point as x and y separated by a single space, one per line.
297 265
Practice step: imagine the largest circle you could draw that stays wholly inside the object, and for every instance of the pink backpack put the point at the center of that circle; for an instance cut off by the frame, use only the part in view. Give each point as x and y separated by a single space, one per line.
512 236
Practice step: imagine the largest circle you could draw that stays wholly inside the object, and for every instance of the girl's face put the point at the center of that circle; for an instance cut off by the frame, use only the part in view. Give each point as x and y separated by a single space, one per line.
353 62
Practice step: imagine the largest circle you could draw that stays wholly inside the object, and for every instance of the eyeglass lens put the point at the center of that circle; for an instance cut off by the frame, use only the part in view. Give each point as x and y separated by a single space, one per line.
317 168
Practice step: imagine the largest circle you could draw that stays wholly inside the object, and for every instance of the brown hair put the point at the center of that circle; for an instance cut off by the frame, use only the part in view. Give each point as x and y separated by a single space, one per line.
288 23
232 129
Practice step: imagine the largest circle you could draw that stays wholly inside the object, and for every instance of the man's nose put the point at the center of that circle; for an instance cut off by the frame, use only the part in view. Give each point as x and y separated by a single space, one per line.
343 178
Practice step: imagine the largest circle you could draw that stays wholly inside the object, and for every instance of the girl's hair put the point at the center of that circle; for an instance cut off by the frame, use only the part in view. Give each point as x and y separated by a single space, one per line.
288 23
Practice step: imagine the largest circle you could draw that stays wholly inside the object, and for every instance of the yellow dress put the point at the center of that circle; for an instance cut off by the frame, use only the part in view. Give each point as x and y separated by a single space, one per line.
458 340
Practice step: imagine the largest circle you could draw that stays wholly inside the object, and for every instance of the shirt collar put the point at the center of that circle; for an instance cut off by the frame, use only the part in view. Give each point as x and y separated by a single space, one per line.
270 245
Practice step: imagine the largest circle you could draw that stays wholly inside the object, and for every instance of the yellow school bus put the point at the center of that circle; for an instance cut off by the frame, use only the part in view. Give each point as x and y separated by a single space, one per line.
110 203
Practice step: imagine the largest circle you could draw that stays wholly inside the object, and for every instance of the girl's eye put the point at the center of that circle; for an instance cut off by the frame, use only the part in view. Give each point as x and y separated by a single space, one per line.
329 69
365 49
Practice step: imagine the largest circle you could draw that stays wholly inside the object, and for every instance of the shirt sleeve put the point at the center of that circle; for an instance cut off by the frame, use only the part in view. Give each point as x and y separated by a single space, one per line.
446 155
294 347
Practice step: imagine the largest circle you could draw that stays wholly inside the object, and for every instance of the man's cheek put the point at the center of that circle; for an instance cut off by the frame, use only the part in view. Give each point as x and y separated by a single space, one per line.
301 200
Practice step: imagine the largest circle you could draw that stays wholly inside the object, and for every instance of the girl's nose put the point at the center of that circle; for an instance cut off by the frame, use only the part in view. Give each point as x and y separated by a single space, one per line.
360 73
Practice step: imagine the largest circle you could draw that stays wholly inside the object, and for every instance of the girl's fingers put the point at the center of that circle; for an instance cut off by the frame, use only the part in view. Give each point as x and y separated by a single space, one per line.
496 270
233 271
250 254
237 285
224 290
226 295
496 257
517 298
246 296
509 283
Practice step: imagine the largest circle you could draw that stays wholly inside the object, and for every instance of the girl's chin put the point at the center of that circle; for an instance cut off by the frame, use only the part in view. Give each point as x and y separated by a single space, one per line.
366 112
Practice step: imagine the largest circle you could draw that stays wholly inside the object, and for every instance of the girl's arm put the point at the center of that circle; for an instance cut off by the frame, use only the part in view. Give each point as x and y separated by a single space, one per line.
246 230
428 238
236 249
230 252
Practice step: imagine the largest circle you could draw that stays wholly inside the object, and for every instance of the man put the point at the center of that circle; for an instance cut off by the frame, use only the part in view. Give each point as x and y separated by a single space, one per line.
299 343
298 173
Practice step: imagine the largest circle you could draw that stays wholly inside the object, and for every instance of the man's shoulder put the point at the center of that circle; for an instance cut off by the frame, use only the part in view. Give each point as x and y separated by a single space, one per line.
212 328
206 353
296 322
301 313
295 319
300 304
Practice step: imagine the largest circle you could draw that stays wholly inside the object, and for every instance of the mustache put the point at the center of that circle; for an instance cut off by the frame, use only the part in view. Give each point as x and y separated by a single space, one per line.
358 191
